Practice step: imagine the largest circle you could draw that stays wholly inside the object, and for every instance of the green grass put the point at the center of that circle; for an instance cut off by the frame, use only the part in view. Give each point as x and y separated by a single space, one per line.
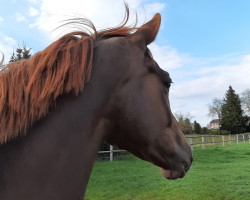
216 173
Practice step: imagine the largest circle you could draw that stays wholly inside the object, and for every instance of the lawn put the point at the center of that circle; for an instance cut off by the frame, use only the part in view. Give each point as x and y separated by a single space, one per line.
216 173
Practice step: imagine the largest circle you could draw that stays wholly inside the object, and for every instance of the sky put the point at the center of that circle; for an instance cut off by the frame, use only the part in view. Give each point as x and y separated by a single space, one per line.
204 45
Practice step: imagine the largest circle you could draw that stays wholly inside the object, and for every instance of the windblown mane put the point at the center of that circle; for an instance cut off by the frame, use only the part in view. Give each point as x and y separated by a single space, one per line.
29 88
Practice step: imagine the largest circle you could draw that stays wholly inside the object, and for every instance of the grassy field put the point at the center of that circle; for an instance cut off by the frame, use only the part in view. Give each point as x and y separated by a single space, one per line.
216 173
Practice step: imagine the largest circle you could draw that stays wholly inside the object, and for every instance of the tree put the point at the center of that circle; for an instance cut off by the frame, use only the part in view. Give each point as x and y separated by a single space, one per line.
214 108
187 129
245 99
20 53
204 131
185 122
232 118
197 127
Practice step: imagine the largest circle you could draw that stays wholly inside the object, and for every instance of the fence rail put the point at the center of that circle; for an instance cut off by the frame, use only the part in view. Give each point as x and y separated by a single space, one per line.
112 153
209 140
197 140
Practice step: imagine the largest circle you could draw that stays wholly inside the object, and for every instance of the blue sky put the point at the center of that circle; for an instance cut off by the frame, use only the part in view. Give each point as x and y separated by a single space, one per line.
204 45
208 28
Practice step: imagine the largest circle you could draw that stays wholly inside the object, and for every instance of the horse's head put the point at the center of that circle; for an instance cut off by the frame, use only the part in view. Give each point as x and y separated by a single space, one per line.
139 114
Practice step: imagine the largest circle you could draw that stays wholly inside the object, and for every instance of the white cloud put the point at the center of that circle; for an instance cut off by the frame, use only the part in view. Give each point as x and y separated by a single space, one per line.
213 80
33 1
1 19
151 9
20 17
33 12
167 57
102 13
201 85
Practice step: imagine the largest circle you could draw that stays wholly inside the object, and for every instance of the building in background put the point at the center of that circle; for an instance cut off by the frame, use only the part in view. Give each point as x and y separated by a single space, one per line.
214 124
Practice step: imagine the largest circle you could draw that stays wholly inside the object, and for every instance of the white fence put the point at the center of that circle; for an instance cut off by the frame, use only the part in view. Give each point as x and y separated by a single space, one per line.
210 140
197 140
111 152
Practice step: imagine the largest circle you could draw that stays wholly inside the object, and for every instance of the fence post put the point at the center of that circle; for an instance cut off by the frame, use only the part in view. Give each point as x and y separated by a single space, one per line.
202 138
229 139
243 138
191 143
237 138
223 140
111 153
213 139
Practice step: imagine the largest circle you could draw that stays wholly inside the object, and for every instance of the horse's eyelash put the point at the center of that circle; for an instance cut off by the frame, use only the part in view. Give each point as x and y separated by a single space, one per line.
167 84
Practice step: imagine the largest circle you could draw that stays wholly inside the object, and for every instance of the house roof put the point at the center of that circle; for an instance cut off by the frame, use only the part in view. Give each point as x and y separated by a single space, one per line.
215 121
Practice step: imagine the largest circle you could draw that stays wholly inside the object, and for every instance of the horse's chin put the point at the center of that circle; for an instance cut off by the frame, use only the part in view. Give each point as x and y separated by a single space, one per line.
172 174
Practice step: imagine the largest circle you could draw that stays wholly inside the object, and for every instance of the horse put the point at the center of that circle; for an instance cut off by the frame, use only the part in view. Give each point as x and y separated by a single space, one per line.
85 88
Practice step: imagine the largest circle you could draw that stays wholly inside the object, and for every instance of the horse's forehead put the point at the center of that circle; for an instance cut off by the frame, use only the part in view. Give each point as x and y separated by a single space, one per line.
116 42
119 44
122 46
120 49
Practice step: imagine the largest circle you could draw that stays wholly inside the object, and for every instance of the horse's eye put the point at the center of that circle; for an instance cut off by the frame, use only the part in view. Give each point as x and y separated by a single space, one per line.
167 85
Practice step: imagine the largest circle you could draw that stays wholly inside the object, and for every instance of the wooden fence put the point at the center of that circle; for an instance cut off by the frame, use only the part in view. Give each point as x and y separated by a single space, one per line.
194 140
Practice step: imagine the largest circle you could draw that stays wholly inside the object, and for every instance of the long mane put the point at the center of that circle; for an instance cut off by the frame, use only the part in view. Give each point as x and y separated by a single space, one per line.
29 88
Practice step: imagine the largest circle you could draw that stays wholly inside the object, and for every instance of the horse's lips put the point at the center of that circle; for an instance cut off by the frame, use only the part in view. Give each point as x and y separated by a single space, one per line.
172 174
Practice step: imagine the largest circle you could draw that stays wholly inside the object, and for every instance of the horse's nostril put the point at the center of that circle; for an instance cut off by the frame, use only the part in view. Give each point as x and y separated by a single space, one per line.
185 166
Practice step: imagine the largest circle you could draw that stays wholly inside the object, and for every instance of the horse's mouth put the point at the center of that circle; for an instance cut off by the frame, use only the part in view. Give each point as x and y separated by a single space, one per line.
174 174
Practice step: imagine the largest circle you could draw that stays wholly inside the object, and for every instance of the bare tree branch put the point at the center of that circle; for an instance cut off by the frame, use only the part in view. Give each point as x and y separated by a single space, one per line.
245 100
214 109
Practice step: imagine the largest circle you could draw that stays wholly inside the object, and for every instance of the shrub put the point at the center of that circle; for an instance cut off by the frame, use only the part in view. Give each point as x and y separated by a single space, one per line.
225 132
214 132
204 131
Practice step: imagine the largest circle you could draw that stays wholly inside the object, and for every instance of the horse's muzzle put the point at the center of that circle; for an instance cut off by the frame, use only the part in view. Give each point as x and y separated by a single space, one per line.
175 174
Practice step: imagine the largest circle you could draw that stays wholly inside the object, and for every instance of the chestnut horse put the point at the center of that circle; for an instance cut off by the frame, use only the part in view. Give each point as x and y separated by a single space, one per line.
58 107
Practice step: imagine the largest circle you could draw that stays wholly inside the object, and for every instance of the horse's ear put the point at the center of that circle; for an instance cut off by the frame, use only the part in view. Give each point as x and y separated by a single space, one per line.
147 32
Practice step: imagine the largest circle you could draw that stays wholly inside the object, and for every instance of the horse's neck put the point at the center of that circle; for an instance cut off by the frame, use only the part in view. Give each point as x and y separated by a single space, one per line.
57 155
55 159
